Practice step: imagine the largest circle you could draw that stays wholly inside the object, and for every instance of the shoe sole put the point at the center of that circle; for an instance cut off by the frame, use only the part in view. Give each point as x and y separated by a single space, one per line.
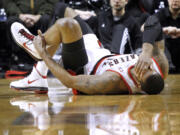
37 90
34 57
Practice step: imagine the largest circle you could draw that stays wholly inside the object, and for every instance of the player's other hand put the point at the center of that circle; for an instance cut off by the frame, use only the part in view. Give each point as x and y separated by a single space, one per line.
144 61
40 43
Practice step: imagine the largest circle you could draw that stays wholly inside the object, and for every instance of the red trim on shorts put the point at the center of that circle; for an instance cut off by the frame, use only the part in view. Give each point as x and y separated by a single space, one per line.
130 75
99 43
158 67
129 88
75 92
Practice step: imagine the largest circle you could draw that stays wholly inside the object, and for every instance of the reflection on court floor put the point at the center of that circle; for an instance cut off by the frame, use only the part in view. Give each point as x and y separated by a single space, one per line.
61 113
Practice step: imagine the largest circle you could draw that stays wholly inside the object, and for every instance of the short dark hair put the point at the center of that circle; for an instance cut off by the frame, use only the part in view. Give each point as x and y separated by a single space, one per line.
154 84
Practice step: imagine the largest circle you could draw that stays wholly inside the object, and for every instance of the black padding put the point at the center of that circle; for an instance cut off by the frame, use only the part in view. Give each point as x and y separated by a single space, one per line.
74 55
59 10
151 21
152 30
84 26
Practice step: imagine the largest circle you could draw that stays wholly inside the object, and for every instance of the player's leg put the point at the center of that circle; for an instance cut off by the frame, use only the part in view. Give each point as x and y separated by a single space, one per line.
54 41
63 11
65 31
68 32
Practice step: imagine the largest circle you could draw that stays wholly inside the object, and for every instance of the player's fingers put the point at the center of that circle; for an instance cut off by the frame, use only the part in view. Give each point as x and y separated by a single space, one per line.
139 68
42 37
144 68
40 33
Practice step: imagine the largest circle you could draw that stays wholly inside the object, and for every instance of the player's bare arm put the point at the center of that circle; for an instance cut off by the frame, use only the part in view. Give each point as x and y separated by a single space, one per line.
109 82
156 51
151 36
158 54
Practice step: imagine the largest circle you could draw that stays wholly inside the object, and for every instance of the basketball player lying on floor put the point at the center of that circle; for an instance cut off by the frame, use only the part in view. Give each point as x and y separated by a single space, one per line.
99 71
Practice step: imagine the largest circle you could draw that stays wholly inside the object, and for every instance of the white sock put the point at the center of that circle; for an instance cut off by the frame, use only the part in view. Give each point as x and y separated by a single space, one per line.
42 68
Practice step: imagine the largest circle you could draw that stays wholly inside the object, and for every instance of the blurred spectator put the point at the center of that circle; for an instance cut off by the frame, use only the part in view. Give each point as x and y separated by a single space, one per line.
140 9
159 4
1 4
170 20
94 5
117 29
34 14
77 4
4 51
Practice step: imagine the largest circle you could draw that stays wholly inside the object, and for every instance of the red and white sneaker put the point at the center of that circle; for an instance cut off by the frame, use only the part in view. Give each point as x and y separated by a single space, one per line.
23 37
34 82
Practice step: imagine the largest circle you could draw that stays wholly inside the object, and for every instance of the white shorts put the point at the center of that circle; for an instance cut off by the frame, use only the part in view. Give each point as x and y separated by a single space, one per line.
94 51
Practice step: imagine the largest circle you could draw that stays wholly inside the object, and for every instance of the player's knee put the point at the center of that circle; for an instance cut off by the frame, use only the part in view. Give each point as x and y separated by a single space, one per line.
69 29
67 23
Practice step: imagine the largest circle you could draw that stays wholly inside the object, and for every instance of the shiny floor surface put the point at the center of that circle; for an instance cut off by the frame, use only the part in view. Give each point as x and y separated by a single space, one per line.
61 113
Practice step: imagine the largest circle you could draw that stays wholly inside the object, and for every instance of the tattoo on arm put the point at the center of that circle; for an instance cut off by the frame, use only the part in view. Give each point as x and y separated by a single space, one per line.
98 84
109 82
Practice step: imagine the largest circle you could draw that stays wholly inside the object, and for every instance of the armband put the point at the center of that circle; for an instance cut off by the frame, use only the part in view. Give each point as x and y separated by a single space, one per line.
152 30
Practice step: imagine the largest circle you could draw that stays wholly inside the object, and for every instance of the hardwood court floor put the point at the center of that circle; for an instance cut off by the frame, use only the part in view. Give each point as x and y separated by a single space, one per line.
64 114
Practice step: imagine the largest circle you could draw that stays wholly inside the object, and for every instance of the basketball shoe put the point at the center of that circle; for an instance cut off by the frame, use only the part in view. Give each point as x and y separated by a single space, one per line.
23 37
34 82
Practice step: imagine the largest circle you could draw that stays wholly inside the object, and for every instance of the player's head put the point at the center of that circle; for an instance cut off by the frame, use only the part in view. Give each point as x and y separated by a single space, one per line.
152 82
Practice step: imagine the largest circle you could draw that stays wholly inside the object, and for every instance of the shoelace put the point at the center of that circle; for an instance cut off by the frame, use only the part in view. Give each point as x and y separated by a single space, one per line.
25 34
